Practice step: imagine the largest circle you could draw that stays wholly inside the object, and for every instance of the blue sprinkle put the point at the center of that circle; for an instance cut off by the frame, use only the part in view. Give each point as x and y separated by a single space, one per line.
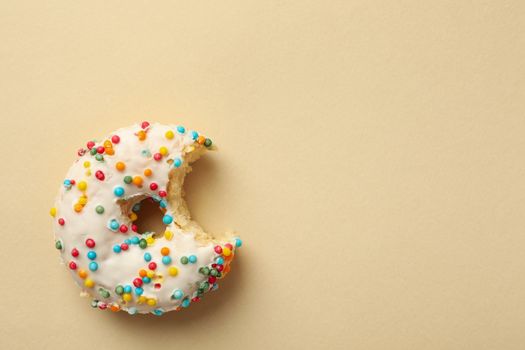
147 257
220 260
146 279
113 224
186 302
238 242
139 291
135 240
192 259
181 129
93 266
215 286
163 203
136 207
166 260
167 219
146 153
127 289
158 312
177 162
118 191
177 294
127 241
117 249
91 255
156 198
194 135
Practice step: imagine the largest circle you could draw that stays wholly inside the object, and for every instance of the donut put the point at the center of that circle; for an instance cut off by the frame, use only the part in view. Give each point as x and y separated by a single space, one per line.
94 222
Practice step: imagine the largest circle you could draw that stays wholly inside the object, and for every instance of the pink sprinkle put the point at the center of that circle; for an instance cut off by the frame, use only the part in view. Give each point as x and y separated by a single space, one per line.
144 125
157 156
90 144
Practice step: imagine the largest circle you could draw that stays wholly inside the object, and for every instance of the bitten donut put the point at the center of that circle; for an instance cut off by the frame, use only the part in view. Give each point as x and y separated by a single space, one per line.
95 210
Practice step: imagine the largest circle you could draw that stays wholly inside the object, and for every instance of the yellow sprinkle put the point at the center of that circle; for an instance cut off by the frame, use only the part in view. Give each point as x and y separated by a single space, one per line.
150 240
133 216
168 235
82 200
173 271
152 302
142 299
88 173
150 274
87 164
82 185
53 212
89 283
226 251
163 150
126 297
77 207
108 144
169 134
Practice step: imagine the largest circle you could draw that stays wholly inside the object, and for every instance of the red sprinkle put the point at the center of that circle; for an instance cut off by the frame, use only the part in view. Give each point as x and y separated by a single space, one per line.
230 247
153 186
72 182
212 279
218 249
152 265
134 228
100 175
100 149
90 144
123 228
74 252
102 306
220 268
124 246
162 193
157 285
137 282
61 222
157 156
115 139
144 125
72 265
90 243
81 152
195 299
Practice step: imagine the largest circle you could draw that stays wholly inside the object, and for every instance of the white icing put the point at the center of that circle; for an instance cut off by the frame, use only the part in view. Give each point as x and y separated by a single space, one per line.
122 268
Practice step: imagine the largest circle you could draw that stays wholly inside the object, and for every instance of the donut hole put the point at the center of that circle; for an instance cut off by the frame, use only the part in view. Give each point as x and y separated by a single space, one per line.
149 217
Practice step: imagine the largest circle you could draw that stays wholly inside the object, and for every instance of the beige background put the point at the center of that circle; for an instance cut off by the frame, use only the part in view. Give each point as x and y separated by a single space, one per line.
371 155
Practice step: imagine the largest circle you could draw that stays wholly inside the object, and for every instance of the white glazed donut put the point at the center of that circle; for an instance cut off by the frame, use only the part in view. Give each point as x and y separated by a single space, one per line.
122 269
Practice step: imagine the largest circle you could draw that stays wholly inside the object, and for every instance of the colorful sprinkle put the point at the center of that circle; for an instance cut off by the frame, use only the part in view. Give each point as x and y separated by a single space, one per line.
177 162
167 219
118 191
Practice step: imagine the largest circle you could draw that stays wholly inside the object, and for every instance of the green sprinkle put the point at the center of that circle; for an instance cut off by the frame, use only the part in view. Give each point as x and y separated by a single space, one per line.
184 260
99 209
119 290
128 179
104 292
93 151
207 142
214 272
58 245
99 157
143 243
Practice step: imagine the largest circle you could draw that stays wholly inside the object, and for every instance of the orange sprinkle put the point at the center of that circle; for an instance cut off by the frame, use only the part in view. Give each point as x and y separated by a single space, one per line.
141 135
142 273
115 308
78 207
82 273
120 166
148 172
137 180
109 151
201 140
165 251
